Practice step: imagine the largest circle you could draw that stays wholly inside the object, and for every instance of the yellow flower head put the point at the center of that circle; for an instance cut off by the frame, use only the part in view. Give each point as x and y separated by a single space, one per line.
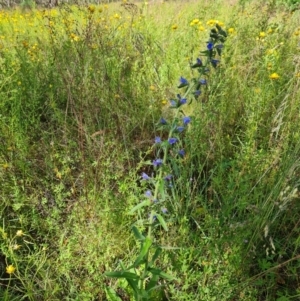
274 76
5 166
74 37
262 34
16 247
219 23
195 22
174 27
91 8
164 102
201 28
211 22
20 233
231 30
10 269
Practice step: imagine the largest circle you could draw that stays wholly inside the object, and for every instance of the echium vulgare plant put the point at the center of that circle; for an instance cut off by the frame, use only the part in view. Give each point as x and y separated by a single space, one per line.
143 276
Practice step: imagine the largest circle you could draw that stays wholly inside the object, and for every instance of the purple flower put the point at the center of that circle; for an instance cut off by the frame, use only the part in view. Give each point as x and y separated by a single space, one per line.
182 82
163 121
186 120
148 194
180 129
164 210
168 177
197 93
197 64
173 103
181 153
210 46
157 140
145 176
214 62
172 140
203 81
157 162
182 101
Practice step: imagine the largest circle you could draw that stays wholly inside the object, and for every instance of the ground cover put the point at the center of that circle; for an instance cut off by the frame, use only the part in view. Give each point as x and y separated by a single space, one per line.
82 93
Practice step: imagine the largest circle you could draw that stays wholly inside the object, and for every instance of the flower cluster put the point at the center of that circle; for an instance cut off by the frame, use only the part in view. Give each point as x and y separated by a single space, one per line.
171 148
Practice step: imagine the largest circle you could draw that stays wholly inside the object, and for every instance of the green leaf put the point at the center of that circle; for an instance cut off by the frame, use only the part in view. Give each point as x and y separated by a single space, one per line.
137 234
122 274
162 191
219 51
140 205
155 256
111 295
162 221
152 283
161 274
134 285
144 250
221 31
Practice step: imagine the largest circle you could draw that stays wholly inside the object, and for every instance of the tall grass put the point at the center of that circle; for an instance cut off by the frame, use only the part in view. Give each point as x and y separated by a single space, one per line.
81 91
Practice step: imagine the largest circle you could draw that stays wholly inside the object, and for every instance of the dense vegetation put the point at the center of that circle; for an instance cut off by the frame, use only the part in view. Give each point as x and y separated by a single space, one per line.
82 93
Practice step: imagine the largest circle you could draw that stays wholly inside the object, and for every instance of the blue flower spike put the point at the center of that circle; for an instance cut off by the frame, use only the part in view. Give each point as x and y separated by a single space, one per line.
145 176
181 153
186 120
173 103
210 46
168 177
180 129
157 140
157 162
197 93
163 121
182 101
164 210
197 64
148 194
183 82
215 62
172 141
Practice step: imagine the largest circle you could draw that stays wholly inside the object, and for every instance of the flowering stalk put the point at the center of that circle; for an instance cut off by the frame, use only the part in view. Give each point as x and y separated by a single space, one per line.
143 289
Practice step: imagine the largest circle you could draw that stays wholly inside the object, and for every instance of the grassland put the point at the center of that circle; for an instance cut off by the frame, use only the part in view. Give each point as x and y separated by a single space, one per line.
82 91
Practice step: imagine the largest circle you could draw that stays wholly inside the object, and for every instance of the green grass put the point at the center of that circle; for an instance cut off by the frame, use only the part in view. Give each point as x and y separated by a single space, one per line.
81 92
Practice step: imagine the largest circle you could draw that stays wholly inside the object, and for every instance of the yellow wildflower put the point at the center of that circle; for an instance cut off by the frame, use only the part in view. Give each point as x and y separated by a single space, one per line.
10 269
164 102
201 28
74 37
91 8
262 34
20 233
219 23
5 165
231 30
175 26
211 22
298 75
152 88
16 247
195 22
274 76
